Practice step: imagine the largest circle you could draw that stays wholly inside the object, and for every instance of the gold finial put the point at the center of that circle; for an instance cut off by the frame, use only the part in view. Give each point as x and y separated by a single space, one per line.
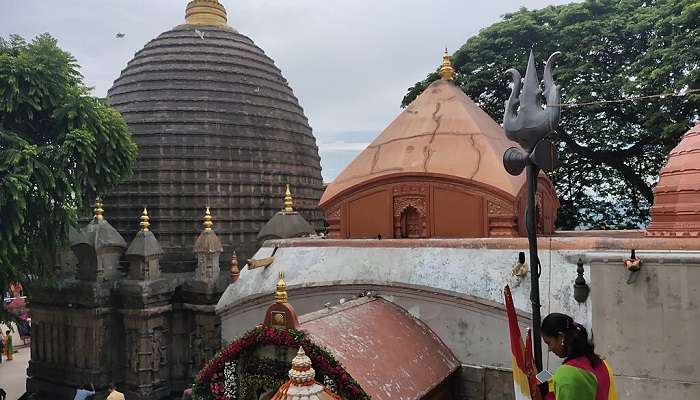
288 201
447 73
207 220
144 224
205 12
98 209
281 293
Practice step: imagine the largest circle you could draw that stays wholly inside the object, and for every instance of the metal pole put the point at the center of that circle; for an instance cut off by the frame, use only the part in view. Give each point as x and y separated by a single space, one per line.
531 223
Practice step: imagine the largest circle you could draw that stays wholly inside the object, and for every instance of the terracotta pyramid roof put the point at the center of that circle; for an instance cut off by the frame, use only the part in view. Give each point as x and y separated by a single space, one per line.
441 132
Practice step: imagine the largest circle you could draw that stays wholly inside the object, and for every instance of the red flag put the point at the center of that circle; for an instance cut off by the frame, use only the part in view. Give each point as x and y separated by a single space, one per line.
523 361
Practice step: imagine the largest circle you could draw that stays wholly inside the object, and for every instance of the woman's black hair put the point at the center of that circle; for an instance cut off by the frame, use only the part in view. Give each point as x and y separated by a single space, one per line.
576 342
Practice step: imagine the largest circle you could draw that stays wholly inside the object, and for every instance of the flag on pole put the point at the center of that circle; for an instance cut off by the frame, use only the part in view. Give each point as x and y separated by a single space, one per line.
524 370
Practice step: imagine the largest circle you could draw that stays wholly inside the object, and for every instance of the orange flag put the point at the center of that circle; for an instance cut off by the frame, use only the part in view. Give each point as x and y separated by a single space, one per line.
523 362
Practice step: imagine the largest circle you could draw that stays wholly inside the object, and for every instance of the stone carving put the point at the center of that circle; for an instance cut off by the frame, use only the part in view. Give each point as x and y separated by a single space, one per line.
132 353
197 356
334 213
401 203
410 219
499 209
407 189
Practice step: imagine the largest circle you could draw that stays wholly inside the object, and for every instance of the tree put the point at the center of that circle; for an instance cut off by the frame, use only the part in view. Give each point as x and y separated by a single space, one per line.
59 148
610 153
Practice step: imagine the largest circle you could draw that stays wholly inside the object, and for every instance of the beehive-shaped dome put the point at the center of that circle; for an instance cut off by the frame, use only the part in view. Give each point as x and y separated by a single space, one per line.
217 125
676 209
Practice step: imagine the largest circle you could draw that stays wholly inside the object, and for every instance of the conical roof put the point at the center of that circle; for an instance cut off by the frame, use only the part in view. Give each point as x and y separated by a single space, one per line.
676 209
441 132
217 125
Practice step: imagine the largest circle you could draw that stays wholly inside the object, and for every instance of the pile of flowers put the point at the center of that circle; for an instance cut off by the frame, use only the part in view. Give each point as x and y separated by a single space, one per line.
210 382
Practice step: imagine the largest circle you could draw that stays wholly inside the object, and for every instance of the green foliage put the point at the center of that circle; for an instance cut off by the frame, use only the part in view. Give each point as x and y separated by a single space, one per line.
59 147
610 154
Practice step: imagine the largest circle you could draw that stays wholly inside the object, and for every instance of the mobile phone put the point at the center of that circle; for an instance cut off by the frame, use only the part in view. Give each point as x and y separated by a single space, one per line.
543 376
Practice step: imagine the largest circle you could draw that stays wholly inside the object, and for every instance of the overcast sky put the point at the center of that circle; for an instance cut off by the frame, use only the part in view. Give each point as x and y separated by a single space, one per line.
348 62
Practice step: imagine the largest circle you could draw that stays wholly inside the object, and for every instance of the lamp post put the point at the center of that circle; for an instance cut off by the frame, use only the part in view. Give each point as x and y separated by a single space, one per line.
530 124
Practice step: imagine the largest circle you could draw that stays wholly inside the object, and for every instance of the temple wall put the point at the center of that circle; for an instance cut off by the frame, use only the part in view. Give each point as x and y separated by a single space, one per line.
648 329
457 292
644 329
432 206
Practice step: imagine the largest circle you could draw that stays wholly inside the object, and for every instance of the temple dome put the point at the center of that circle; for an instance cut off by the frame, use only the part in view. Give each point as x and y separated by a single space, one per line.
441 132
217 125
676 209
435 171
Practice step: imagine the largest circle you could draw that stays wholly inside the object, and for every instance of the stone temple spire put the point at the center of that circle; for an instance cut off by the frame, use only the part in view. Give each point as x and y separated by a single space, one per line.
447 73
205 12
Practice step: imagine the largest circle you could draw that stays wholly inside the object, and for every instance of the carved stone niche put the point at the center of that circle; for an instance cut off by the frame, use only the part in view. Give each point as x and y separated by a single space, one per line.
410 217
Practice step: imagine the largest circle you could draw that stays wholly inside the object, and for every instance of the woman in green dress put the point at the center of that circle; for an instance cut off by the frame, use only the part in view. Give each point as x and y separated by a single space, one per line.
583 375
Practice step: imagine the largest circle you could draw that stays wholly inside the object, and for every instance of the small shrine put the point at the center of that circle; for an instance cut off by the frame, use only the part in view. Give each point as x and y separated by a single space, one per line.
435 172
287 223
366 347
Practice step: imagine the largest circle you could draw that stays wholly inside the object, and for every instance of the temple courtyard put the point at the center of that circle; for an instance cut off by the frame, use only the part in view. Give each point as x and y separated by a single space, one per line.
13 374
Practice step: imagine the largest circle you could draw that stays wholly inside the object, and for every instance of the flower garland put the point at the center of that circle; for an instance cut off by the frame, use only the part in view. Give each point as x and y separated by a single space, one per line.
210 382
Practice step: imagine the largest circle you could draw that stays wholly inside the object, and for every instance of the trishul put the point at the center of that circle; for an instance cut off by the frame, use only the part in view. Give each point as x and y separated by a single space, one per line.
530 123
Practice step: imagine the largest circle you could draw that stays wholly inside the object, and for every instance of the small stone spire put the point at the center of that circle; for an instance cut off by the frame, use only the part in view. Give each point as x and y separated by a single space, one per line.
447 73
302 372
235 272
281 293
99 212
205 12
207 220
288 201
144 224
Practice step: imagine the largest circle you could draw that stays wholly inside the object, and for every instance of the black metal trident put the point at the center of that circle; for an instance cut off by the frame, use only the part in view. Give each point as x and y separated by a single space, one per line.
530 124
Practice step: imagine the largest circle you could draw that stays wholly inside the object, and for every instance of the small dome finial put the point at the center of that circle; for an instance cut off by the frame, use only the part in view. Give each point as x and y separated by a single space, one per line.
281 292
205 12
207 220
302 373
144 224
288 201
235 272
99 212
447 73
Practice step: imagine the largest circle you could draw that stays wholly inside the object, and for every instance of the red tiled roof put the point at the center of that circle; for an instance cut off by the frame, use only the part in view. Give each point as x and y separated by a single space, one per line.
389 353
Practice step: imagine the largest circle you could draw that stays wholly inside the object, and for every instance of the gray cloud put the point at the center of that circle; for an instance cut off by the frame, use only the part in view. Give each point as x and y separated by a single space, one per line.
349 62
